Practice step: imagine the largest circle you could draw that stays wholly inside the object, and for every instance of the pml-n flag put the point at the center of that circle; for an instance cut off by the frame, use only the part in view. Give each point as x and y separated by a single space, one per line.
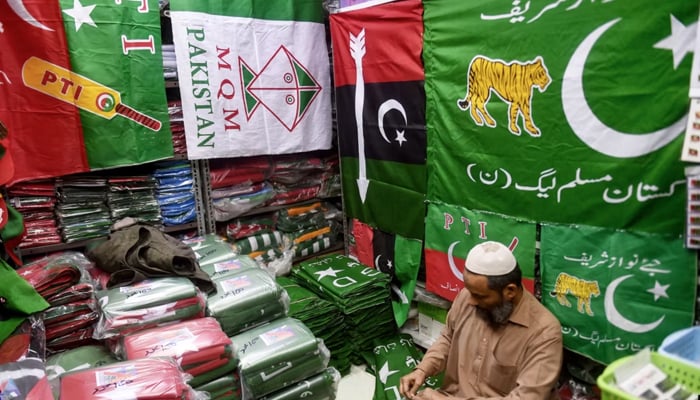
381 115
582 128
616 292
254 76
451 231
81 85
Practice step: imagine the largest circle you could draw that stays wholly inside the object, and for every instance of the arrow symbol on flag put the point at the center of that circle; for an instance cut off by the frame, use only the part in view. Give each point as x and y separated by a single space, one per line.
401 294
385 372
357 51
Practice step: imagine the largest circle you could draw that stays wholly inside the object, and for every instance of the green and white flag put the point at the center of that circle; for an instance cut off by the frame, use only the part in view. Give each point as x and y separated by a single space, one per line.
616 292
560 111
254 76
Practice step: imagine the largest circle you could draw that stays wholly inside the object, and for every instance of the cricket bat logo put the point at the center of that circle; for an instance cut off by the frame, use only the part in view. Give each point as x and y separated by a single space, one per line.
80 91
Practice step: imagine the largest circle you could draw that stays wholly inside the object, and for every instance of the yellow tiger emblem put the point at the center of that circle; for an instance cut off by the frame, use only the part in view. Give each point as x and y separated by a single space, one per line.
582 289
512 82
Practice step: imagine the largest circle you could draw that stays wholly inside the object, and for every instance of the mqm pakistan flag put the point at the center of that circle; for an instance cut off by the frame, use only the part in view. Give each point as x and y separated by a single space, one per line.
254 76
562 111
81 85
616 292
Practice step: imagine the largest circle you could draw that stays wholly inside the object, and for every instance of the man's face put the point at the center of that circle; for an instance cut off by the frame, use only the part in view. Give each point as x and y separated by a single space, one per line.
490 304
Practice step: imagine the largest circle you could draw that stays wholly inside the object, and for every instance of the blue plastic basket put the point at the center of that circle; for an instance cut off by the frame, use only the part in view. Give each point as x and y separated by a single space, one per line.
683 345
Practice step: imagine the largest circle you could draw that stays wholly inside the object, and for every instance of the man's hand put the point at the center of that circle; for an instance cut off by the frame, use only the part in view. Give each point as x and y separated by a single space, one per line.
410 384
429 394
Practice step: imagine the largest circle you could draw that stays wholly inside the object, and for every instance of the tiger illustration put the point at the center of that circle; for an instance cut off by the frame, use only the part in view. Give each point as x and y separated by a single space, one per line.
512 82
582 289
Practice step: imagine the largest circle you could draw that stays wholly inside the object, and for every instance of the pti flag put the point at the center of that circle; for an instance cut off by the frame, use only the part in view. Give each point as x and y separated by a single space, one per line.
254 76
81 85
400 258
381 114
451 231
616 292
567 130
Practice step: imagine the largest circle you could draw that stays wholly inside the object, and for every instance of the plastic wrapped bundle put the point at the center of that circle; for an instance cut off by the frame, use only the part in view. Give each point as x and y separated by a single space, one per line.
323 386
147 304
277 355
226 387
246 299
83 357
143 379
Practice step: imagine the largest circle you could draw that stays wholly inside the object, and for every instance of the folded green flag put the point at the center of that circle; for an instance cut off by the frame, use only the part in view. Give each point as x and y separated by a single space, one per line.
323 386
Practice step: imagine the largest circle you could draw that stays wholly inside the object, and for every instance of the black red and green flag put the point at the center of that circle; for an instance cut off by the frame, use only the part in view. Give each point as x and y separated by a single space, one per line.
381 114
81 85
616 292
451 231
560 111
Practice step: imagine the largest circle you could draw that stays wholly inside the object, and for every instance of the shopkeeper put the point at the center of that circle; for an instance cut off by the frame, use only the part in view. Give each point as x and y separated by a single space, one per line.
498 341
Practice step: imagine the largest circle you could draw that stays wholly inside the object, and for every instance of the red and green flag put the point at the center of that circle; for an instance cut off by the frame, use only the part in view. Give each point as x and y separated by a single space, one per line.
81 85
567 112
381 114
451 231
616 292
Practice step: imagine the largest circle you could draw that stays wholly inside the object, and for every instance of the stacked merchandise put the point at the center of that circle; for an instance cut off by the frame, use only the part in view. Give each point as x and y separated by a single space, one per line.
82 209
298 178
199 346
79 358
169 62
63 281
23 373
322 386
36 202
323 318
175 193
239 186
177 127
134 197
360 292
276 356
313 228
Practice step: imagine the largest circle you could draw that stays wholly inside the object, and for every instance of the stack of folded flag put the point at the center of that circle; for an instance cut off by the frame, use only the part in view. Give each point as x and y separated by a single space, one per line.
169 62
83 357
82 208
313 228
199 346
323 318
147 304
144 378
322 386
177 127
36 202
362 294
277 355
175 193
133 196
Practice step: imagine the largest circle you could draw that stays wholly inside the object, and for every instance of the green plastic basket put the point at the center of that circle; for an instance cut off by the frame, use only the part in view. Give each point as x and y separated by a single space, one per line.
680 372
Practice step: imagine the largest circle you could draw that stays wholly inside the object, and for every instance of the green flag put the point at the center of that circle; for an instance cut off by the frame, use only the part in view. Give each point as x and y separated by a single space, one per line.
116 46
560 111
616 292
451 231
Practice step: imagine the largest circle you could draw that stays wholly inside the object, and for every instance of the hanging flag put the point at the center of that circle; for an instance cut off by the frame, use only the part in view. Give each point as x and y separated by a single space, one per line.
381 114
562 130
254 76
400 258
451 231
616 292
82 85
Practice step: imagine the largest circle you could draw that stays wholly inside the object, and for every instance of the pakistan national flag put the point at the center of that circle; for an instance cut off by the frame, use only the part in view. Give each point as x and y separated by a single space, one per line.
381 114
254 76
451 231
560 111
616 292
81 85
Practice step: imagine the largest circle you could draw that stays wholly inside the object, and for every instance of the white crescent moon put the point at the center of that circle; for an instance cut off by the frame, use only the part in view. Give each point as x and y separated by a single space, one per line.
391 104
617 319
455 271
18 7
593 131
376 261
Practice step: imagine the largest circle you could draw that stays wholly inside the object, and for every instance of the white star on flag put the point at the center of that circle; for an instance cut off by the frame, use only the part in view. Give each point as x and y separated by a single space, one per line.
81 15
327 272
680 42
400 137
659 290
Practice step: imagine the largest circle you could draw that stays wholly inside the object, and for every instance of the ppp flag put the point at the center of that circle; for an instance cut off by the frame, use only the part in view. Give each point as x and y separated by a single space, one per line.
381 115
616 292
81 86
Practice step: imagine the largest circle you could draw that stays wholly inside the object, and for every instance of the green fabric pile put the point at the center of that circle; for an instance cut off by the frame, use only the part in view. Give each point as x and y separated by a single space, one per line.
361 293
323 386
277 355
323 318
225 388
244 299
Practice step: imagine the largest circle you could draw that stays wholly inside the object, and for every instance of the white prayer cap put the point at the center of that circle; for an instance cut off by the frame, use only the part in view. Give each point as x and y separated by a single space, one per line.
490 259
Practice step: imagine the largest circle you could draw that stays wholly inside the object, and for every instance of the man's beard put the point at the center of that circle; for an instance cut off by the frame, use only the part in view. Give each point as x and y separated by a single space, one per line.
498 315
